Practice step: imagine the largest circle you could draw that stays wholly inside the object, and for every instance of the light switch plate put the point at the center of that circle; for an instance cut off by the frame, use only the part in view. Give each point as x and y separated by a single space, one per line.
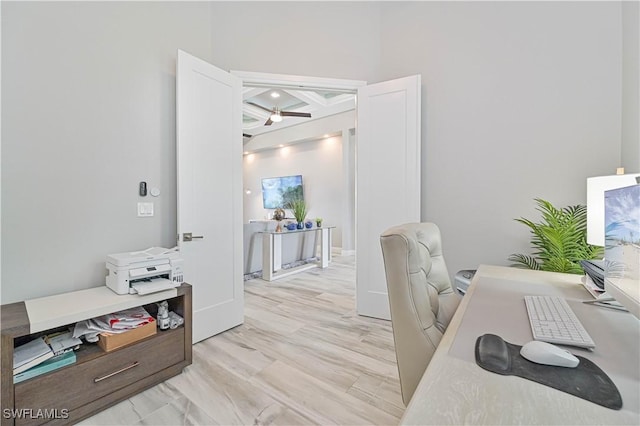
145 209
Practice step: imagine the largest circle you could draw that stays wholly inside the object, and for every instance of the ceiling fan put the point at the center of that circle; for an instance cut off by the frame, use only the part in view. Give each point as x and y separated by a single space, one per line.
277 114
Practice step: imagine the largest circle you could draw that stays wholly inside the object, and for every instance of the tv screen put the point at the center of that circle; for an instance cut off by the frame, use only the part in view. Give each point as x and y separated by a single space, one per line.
277 192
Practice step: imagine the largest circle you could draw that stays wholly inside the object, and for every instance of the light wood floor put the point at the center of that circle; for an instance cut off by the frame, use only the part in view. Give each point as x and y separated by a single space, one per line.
302 356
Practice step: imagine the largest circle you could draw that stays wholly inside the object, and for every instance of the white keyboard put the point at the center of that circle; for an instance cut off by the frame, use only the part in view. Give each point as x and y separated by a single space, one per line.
553 321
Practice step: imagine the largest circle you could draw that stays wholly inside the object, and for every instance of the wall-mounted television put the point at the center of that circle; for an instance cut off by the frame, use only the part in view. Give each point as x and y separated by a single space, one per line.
277 192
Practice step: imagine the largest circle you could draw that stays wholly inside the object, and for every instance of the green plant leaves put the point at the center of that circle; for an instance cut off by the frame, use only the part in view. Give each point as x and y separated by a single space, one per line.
298 208
559 240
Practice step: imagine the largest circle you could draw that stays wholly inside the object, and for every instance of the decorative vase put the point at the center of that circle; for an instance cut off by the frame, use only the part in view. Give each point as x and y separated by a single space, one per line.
278 215
319 223
300 225
291 226
308 224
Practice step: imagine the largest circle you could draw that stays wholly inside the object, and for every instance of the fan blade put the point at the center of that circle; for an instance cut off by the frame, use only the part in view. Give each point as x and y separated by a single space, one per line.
260 106
295 114
268 122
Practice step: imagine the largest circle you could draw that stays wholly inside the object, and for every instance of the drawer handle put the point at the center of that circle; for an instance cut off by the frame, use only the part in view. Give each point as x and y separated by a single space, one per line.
99 379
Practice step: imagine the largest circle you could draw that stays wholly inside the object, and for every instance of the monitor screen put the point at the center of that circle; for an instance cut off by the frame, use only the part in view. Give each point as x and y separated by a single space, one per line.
622 246
277 192
596 186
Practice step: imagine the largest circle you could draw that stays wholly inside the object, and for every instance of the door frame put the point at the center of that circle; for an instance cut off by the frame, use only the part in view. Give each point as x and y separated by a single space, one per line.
284 81
287 81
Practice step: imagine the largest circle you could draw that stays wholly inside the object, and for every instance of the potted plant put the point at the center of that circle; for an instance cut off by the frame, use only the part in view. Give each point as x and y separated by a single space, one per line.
559 240
299 209
318 222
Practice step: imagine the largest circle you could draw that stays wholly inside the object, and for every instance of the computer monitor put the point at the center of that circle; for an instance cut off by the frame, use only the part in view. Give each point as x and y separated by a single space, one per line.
622 246
596 186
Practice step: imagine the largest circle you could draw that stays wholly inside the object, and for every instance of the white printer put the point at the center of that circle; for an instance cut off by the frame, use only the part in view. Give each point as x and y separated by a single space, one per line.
144 272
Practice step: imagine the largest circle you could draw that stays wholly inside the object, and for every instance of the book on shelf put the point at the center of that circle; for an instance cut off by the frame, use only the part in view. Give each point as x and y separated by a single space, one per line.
58 361
30 354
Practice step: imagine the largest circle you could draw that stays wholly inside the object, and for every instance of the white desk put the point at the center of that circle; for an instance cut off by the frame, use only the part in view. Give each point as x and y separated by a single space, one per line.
271 249
455 390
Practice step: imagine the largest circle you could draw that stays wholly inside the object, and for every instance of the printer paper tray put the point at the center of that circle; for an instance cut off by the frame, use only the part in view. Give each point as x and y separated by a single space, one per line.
153 286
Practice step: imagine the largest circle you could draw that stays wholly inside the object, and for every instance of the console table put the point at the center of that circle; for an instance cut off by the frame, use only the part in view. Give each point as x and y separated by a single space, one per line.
97 379
272 246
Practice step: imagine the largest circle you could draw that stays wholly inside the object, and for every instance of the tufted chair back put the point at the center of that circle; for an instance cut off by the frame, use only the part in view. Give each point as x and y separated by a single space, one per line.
421 298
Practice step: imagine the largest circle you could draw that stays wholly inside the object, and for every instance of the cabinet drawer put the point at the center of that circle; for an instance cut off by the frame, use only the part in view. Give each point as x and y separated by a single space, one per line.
85 382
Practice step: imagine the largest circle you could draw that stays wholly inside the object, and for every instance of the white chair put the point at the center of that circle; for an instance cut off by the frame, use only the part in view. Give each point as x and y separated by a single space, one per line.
421 297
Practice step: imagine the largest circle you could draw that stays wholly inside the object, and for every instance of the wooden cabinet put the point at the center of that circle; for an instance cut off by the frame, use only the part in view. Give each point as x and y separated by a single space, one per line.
98 379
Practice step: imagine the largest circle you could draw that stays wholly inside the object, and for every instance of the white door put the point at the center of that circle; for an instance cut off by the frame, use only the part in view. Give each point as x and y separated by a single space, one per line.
209 187
387 180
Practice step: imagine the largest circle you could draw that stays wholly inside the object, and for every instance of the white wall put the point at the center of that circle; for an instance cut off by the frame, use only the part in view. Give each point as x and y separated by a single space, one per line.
319 163
324 39
520 100
88 95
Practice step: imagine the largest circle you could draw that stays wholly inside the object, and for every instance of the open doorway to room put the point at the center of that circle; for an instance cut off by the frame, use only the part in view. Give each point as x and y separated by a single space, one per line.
302 127
209 175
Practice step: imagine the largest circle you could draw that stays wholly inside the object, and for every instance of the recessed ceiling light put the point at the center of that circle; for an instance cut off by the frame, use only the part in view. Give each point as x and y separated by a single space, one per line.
275 94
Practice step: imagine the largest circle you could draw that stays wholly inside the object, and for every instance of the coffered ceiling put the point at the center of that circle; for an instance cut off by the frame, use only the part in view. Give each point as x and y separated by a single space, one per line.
259 101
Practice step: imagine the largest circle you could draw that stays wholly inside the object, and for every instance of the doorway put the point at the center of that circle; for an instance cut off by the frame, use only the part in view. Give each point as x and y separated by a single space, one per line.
387 181
331 105
386 175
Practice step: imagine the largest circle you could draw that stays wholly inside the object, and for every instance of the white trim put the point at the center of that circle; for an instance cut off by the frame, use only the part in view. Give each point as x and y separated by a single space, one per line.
284 81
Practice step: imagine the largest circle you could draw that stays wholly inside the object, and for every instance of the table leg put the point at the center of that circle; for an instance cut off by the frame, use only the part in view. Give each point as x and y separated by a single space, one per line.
267 257
325 247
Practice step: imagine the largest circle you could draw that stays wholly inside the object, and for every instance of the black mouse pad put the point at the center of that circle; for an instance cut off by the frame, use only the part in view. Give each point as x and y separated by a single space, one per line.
586 381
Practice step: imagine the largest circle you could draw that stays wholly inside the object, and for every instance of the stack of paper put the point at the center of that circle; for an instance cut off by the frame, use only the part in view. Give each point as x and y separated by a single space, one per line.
51 364
127 319
62 342
117 322
30 354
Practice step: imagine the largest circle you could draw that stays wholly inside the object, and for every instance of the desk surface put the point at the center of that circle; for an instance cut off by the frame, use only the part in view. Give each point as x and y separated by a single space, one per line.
454 390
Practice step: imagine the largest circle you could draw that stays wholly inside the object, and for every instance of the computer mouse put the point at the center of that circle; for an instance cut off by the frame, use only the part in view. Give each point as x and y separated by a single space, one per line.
548 354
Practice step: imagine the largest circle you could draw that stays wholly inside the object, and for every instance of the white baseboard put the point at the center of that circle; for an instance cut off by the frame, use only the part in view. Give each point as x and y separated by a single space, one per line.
347 252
